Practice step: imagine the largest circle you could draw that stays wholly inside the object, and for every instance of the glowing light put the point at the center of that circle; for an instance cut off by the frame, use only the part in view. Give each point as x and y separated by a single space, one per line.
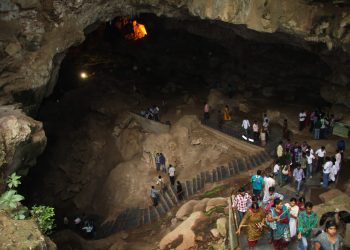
139 30
83 75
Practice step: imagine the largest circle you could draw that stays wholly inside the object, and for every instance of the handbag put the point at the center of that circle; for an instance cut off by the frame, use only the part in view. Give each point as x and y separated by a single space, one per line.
285 170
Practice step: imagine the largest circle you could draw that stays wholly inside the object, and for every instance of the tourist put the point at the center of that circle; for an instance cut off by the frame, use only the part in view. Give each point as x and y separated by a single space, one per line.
179 191
266 125
262 137
257 183
161 183
286 173
320 153
302 116
154 194
287 145
309 158
326 171
270 197
269 181
246 126
241 202
277 172
298 175
303 163
227 113
317 128
301 203
278 218
293 211
328 239
334 171
206 113
171 172
253 220
324 124
285 129
307 220
279 150
256 130
341 145
162 162
338 158
155 112
157 161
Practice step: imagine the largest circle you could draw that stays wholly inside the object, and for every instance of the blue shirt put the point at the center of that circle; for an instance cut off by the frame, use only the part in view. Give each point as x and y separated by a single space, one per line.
257 182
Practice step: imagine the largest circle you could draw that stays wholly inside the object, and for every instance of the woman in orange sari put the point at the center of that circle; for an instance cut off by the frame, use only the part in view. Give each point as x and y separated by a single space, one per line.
227 116
253 221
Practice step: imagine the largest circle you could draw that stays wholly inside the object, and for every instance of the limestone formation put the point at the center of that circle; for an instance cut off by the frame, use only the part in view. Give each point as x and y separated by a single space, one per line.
22 234
22 140
183 237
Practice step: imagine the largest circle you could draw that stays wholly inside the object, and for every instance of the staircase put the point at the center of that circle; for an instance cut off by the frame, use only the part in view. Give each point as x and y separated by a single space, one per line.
135 217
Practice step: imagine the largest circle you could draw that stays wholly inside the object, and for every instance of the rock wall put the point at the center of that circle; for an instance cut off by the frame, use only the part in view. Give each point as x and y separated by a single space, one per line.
35 34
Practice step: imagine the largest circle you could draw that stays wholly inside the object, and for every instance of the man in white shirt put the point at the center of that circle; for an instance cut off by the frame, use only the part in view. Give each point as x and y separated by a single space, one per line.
269 181
277 172
326 171
302 117
172 174
320 153
309 158
246 126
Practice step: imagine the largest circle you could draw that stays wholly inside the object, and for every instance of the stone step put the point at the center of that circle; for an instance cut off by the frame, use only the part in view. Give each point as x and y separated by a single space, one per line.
168 199
160 209
224 172
166 206
172 192
154 214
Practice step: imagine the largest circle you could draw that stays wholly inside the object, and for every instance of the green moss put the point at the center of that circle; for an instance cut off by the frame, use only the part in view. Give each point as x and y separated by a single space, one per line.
213 192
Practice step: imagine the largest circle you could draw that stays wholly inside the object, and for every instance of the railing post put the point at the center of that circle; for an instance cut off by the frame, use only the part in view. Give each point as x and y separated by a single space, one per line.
233 238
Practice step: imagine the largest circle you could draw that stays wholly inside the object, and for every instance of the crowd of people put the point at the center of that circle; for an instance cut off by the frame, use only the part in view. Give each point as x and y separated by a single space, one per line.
265 210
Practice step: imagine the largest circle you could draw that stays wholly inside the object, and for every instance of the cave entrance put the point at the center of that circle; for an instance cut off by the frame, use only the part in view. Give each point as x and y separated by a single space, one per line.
174 67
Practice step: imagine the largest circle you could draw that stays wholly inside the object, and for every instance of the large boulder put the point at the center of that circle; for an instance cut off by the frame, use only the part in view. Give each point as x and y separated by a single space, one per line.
214 202
22 234
334 199
183 237
22 140
186 209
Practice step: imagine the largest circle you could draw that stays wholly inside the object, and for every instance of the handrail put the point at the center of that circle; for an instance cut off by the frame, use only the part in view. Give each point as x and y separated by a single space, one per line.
234 214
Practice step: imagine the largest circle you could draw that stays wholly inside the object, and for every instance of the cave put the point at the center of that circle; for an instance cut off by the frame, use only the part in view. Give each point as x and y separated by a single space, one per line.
83 87
175 67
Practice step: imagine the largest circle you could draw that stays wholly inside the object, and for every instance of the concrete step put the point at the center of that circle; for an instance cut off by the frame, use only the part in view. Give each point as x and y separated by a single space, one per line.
165 204
172 193
168 199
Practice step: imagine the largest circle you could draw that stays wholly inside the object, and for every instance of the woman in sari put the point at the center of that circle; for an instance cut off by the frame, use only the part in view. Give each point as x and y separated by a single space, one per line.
227 116
278 218
253 221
